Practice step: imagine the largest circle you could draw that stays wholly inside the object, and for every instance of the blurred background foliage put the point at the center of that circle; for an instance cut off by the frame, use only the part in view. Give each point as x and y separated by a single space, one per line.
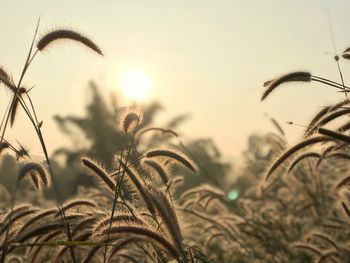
231 215
97 135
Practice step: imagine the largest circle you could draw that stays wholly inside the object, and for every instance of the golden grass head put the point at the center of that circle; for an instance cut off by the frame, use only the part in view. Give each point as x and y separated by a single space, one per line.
302 157
293 150
8 82
100 172
298 76
158 169
37 173
130 119
142 232
5 79
346 53
172 155
77 203
334 135
61 34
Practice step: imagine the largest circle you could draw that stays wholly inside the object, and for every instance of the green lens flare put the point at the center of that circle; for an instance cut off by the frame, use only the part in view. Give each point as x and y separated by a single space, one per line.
233 195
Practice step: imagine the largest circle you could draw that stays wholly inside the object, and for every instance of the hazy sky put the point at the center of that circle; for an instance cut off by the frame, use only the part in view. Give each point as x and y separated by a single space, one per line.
206 58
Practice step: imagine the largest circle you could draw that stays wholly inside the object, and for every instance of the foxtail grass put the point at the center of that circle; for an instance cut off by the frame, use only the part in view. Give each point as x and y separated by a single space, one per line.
60 34
173 155
294 149
17 100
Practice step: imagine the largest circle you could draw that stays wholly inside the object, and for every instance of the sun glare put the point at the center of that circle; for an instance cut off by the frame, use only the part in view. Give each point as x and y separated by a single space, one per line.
135 84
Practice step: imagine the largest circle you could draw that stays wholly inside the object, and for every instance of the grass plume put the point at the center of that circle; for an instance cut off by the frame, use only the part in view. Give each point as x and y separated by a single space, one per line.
173 155
59 34
300 76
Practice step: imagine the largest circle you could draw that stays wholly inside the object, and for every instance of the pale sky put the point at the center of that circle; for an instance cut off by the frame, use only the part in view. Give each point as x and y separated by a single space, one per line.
206 58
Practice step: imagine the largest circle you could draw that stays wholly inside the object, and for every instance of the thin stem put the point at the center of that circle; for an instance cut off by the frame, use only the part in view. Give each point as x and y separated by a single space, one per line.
5 114
127 206
56 191
25 67
339 86
11 146
115 200
25 108
341 76
328 80
117 189
29 60
32 106
54 183
330 24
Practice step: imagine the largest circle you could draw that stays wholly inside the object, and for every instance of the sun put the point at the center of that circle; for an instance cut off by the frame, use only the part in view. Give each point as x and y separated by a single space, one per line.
135 84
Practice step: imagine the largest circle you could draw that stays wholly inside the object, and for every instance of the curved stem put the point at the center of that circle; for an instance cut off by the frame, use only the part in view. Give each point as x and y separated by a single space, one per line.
327 80
333 84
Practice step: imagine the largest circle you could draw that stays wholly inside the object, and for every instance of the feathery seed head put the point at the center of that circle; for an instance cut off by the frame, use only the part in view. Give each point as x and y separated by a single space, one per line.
172 155
61 34
37 172
130 119
100 172
299 76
